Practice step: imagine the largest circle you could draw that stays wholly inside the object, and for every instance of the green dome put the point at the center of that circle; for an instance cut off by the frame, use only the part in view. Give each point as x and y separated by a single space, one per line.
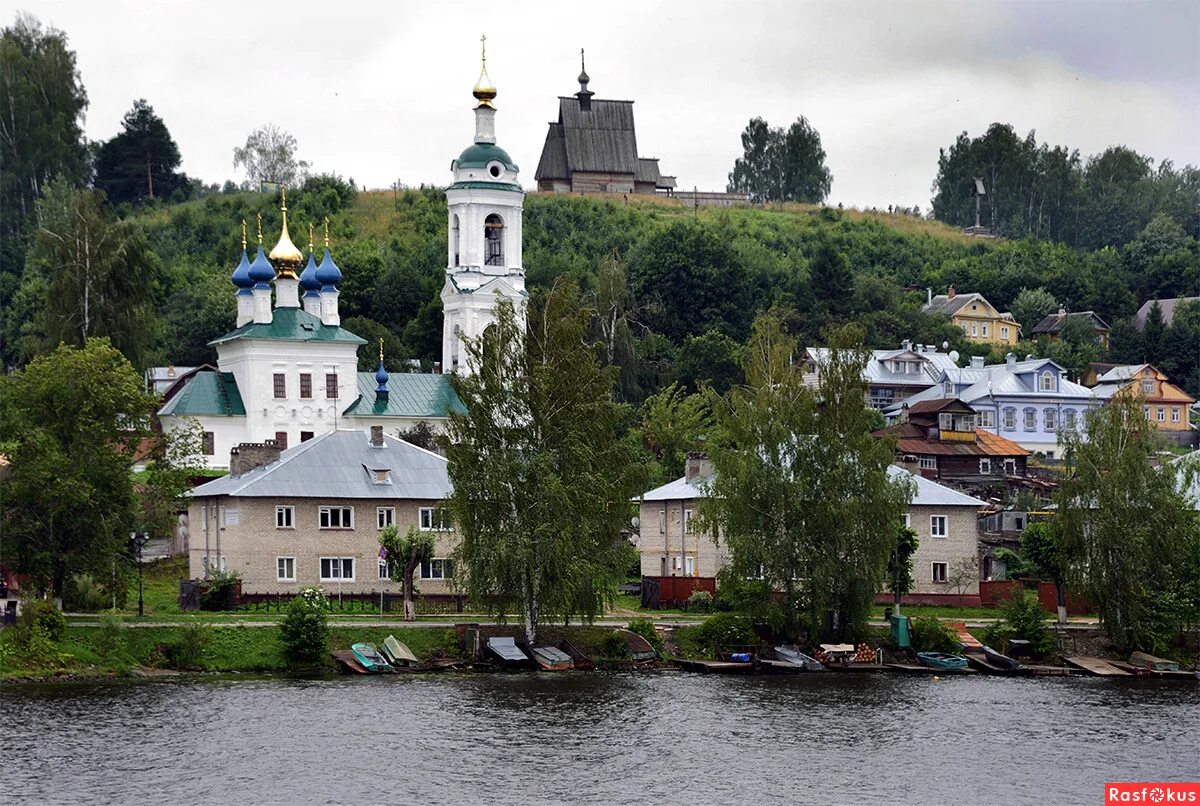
480 154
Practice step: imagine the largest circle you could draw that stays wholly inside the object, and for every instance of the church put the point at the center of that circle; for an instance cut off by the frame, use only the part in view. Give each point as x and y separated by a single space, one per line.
289 370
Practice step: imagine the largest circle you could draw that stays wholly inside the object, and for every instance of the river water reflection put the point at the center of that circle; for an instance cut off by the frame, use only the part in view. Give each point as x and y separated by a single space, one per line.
595 738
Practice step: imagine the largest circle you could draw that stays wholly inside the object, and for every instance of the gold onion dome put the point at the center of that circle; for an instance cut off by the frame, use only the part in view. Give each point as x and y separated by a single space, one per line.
285 257
485 90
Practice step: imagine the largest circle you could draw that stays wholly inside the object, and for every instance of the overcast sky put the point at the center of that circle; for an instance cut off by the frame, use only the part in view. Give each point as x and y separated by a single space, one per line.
380 91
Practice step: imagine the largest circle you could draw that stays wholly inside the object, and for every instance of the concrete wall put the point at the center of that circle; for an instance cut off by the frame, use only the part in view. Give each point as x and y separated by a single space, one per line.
960 542
251 543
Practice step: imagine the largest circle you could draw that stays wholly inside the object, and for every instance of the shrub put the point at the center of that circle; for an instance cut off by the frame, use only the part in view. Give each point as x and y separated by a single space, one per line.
304 628
84 595
40 615
700 601
1025 619
931 635
725 629
188 651
109 639
222 586
614 646
645 628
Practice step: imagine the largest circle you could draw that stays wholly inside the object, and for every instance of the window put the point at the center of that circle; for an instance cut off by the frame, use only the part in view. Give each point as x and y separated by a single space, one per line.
285 569
305 436
435 519
964 327
987 419
939 572
1161 414
907 520
927 462
1051 419
1010 467
454 241
947 389
1147 387
985 466
1146 411
337 518
209 445
945 421
1174 414
331 386
385 570
385 516
689 565
1069 420
381 475
937 525
688 524
493 241
1046 382
232 517
1030 419
337 569
984 329
280 385
1004 331
1010 419
974 329
662 521
285 517
306 385
281 440
437 568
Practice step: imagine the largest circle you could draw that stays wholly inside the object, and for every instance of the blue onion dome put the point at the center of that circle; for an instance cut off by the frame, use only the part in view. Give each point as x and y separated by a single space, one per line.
308 277
241 275
381 377
261 270
328 274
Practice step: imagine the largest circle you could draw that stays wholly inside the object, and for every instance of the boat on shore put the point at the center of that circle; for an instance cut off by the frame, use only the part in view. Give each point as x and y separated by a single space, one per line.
942 660
552 659
794 657
370 659
505 651
398 654
577 655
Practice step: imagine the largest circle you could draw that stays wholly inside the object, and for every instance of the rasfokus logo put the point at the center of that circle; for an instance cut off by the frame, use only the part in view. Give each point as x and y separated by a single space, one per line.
1152 792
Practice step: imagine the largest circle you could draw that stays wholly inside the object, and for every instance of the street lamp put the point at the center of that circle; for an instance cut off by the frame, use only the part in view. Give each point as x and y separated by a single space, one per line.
138 541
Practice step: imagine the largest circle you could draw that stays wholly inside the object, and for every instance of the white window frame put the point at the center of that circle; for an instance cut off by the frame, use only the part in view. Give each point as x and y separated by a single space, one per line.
662 521
425 520
420 572
974 328
945 421
1004 331
341 561
1010 463
987 418
325 519
385 571
385 516
1046 382
1050 416
689 565
927 462
945 526
907 520
1010 419
1068 419
947 389
1029 419
933 572
983 329
985 466
281 567
1175 414
1147 387
1160 414
285 513
688 527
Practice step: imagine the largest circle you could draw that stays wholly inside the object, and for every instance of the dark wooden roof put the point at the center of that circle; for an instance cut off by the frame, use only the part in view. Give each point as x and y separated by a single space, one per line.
600 139
1055 321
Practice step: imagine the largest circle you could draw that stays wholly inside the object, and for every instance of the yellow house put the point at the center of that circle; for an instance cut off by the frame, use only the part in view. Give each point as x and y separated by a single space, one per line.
1163 403
978 318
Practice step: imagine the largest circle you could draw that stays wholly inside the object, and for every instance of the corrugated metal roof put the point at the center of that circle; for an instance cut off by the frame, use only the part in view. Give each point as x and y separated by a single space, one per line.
410 395
206 393
339 464
1166 305
291 324
1055 321
680 489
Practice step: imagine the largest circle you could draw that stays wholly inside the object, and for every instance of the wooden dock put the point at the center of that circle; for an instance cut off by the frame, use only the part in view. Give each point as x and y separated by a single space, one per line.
916 668
1096 666
714 666
1161 674
965 638
1036 670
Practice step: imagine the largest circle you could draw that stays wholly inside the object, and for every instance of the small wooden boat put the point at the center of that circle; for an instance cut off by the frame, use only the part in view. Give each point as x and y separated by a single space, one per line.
370 659
397 653
997 659
639 648
552 659
581 660
795 657
507 652
942 660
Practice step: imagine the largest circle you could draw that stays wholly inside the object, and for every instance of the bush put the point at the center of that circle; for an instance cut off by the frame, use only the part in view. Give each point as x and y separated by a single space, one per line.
188 651
725 629
645 628
614 646
109 639
700 601
1025 619
222 586
931 635
304 628
84 595
40 615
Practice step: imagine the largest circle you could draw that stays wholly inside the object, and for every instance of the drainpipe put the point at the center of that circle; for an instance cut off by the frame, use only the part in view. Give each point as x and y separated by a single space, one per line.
207 553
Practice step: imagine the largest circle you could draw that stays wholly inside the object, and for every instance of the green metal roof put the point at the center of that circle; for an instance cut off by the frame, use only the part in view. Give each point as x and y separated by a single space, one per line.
291 324
485 186
409 395
207 392
480 154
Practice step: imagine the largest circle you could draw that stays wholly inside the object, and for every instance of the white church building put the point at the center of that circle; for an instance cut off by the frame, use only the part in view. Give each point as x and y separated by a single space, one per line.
289 370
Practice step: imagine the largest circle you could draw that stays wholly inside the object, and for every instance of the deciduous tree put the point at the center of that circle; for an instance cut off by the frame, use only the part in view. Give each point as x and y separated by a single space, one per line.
270 156
779 165
404 555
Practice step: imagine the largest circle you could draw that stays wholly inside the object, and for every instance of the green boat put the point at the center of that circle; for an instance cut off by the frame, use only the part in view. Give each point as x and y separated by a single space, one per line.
371 660
398 654
941 660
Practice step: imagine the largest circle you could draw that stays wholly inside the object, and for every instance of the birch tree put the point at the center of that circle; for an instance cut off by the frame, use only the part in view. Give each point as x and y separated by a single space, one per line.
542 483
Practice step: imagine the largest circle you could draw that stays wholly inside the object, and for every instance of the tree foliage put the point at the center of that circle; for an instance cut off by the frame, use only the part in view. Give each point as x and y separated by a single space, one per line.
140 162
71 423
404 555
1130 538
781 165
541 481
269 155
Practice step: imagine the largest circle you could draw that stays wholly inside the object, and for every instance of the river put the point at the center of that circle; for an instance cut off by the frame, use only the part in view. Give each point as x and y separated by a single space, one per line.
655 738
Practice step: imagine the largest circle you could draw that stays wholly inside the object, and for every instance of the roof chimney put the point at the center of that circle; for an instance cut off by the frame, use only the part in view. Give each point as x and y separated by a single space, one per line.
697 465
1062 311
377 436
906 344
1010 359
976 361
950 293
248 455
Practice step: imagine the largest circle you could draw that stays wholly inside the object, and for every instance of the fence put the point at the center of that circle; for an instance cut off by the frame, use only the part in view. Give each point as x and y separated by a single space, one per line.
996 593
356 603
660 592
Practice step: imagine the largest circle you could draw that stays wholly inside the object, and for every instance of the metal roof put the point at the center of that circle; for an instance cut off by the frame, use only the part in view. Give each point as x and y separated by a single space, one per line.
1168 307
1055 321
206 393
679 490
341 464
291 324
879 369
410 395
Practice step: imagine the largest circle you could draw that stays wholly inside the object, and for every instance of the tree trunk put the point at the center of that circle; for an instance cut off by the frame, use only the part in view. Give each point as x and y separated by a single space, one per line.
1061 595
410 610
531 610
149 178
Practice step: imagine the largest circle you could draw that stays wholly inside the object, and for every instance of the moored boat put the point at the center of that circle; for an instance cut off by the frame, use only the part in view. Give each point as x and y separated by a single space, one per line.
942 660
397 653
552 659
795 657
370 659
506 651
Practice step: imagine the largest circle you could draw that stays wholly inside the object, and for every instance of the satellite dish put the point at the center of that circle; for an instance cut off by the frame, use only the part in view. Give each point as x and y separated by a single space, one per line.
954 356
635 522
945 345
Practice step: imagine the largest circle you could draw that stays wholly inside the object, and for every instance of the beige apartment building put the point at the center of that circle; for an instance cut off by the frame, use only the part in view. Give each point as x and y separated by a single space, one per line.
312 514
672 544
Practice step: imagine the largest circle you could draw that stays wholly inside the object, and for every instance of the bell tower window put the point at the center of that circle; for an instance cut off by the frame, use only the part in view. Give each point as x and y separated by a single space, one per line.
493 238
455 246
